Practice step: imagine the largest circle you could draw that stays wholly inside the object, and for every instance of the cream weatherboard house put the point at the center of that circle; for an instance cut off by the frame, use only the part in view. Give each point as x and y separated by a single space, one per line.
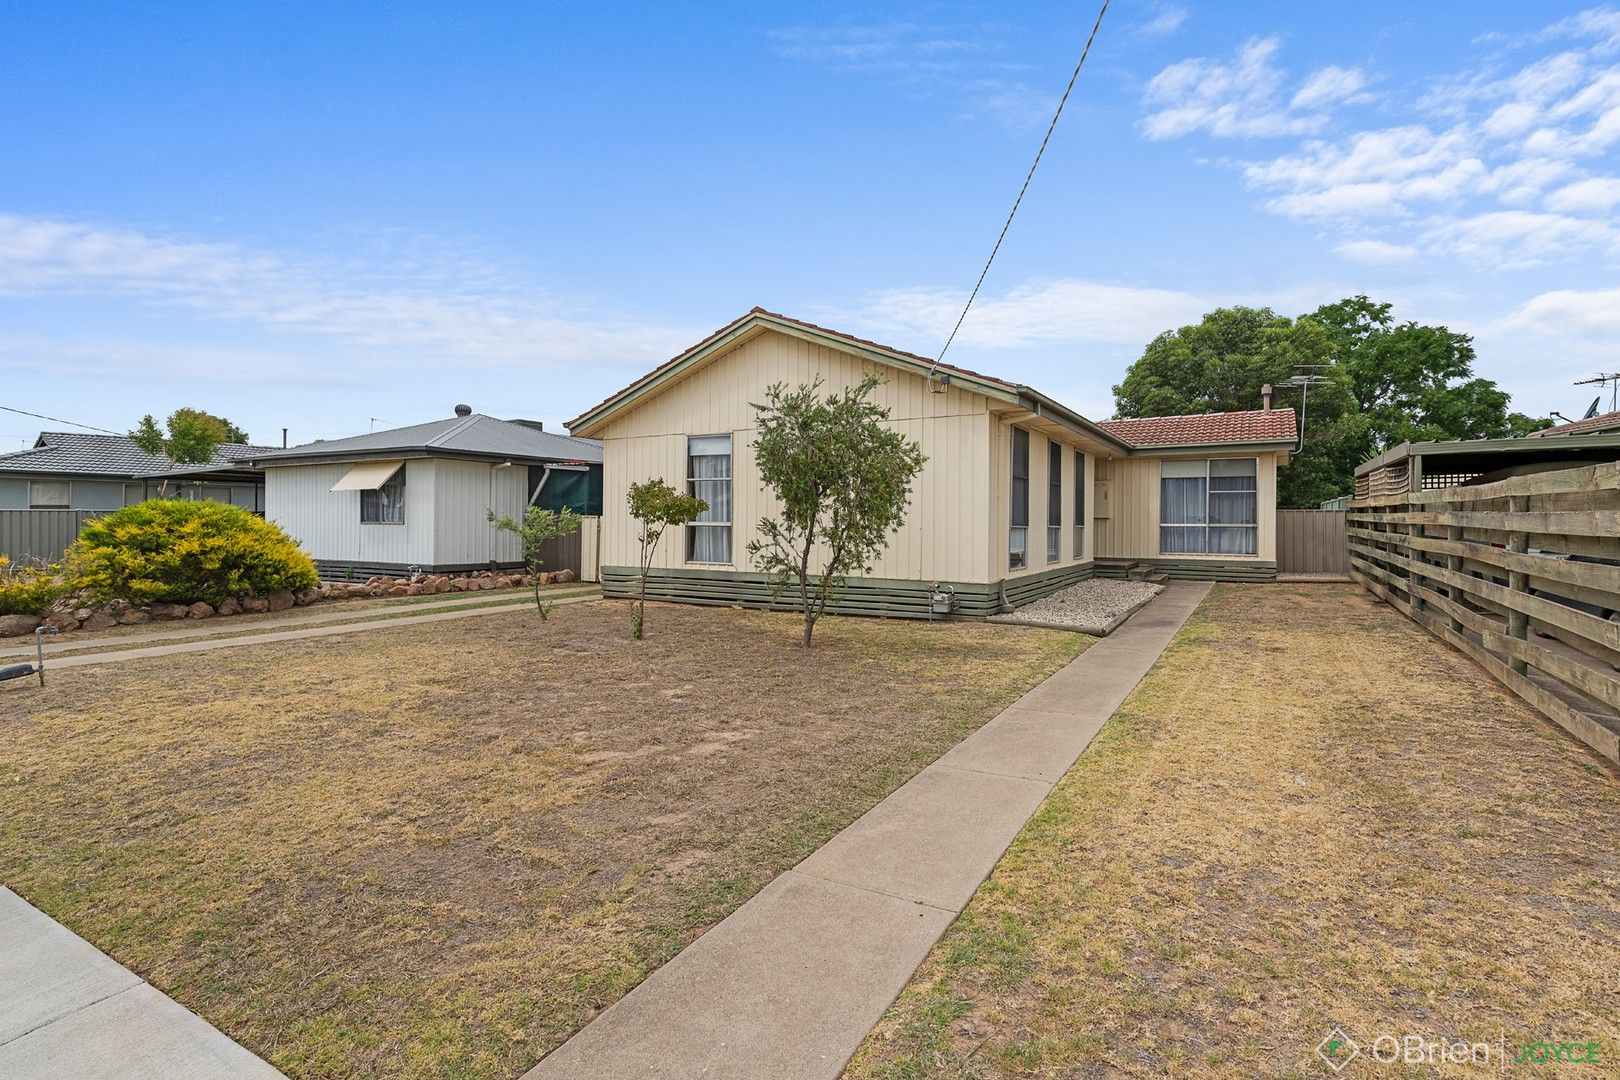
1020 495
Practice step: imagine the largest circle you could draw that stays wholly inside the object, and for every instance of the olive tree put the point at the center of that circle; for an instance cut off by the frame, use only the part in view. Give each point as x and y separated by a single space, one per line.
656 506
536 527
843 479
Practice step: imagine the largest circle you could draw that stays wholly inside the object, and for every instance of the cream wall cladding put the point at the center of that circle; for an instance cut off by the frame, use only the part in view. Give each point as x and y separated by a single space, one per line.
1132 529
946 536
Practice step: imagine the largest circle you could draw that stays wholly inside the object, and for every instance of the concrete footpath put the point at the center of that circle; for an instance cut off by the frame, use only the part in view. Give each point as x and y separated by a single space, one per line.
790 983
69 1012
381 620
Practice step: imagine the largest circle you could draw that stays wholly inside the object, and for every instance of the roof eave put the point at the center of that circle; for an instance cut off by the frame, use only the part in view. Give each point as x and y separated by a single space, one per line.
1149 449
587 424
1041 405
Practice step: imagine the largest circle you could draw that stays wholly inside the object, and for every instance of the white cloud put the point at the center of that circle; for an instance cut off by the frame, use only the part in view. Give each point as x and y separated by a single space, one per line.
1329 86
1506 168
1593 313
462 311
1595 194
1231 99
1066 310
1165 23
1376 252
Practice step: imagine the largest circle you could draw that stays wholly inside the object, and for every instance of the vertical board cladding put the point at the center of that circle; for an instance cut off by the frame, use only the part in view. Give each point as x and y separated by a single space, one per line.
945 537
464 494
1132 529
1039 499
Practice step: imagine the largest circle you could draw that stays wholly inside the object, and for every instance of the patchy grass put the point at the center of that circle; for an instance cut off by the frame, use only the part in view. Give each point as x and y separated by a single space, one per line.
439 850
1311 813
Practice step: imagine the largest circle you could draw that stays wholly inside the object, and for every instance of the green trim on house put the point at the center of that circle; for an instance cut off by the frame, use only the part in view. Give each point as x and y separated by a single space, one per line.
887 597
1194 569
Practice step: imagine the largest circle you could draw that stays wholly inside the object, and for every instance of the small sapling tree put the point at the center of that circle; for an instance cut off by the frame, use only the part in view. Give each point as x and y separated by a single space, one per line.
656 506
537 526
189 437
843 478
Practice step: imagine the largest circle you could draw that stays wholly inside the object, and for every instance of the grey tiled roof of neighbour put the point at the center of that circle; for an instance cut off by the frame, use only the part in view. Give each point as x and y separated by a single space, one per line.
81 454
477 435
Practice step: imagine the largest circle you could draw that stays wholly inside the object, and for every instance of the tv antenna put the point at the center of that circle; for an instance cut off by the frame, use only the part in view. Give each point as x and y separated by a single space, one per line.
1611 379
1305 382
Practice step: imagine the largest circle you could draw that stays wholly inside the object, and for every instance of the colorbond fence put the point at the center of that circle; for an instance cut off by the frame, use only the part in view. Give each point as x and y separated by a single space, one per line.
1312 542
41 534
1523 575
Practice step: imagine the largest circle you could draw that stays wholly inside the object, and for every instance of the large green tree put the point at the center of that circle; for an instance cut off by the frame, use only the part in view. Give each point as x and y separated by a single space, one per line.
1415 383
1386 383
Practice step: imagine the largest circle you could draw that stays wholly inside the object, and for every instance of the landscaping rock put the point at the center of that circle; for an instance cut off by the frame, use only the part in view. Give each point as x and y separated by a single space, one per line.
459 584
563 577
83 613
62 622
229 606
418 589
17 625
399 588
99 620
280 600
168 611
306 597
134 616
200 610
255 605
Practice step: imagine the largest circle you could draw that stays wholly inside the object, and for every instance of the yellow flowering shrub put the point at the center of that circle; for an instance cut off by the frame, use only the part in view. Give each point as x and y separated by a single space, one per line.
28 588
181 551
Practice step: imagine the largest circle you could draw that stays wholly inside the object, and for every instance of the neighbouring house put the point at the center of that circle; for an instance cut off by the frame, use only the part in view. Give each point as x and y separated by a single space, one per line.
417 498
1020 496
67 470
1601 424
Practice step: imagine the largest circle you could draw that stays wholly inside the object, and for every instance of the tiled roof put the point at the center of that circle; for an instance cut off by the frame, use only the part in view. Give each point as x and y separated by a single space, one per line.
486 436
82 454
1592 425
1254 425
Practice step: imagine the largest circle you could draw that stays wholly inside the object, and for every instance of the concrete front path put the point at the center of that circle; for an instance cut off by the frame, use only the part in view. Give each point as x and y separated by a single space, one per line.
376 620
69 1012
790 983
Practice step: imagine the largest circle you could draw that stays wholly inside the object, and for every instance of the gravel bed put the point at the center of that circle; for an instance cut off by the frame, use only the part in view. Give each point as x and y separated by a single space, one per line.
1088 606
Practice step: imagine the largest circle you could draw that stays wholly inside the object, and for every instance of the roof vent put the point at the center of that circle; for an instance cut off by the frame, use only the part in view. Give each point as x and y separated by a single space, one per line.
463 410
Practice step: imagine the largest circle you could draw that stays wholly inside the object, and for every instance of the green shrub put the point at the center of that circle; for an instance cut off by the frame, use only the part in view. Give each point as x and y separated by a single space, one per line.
29 588
181 551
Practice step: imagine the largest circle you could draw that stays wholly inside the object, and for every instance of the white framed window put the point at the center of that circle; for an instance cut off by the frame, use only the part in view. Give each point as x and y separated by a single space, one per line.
1054 501
708 476
385 505
1018 531
1079 504
1209 507
49 494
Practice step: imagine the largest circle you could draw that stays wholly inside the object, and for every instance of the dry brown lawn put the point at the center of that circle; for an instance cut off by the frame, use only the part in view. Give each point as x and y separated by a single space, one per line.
1311 813
439 850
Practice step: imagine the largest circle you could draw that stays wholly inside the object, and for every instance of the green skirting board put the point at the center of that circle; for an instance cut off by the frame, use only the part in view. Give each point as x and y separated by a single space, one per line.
888 597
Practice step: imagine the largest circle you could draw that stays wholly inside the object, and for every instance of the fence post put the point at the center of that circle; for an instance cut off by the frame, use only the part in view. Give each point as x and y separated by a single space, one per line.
1519 544
1454 563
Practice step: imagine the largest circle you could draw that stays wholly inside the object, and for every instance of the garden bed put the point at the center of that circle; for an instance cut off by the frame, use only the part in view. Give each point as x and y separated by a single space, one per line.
1096 607
439 851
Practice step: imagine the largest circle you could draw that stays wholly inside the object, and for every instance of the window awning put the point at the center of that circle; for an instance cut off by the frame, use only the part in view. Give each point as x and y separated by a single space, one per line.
367 476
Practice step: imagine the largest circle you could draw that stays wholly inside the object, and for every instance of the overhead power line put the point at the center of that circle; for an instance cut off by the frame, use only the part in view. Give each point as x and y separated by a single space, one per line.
1064 100
59 420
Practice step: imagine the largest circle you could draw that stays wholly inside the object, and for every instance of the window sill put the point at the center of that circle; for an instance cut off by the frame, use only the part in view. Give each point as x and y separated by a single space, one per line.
382 523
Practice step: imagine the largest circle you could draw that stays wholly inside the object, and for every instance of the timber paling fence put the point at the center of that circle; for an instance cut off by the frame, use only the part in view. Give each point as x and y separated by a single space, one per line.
1522 575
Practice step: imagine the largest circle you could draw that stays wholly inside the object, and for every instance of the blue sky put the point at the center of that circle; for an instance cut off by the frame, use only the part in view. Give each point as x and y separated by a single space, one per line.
306 218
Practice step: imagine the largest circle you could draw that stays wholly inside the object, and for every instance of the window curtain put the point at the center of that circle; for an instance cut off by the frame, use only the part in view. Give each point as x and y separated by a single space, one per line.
1183 503
1234 500
709 478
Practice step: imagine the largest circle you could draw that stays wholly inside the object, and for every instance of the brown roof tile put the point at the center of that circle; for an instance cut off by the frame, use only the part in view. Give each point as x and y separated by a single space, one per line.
1254 425
1592 425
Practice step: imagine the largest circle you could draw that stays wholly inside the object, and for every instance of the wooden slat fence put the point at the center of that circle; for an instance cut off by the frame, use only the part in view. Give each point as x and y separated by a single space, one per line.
1312 542
1523 575
41 534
